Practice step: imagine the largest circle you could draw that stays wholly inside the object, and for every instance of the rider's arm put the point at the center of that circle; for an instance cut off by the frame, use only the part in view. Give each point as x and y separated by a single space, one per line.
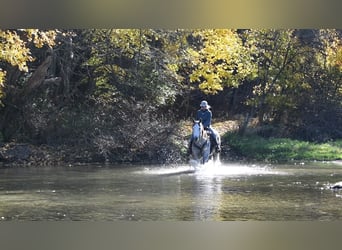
198 115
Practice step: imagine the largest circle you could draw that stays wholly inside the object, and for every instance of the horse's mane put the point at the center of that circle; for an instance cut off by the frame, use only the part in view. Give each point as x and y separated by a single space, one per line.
199 122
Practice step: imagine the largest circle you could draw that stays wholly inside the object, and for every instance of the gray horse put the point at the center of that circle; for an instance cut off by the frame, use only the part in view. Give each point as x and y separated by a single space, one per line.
200 144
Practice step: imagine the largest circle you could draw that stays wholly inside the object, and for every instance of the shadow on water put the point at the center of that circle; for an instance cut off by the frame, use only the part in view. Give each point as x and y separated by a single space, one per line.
215 192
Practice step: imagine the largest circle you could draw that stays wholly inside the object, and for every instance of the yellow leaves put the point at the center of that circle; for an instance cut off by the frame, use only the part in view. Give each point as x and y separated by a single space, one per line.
2 83
14 50
118 70
2 78
333 49
221 58
195 76
40 38
211 86
127 40
173 67
193 53
338 57
305 86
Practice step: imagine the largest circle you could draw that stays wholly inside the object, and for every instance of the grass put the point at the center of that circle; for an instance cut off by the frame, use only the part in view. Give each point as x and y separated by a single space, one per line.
254 147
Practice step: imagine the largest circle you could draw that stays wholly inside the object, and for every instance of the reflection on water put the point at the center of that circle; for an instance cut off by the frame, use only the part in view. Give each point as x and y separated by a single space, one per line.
222 192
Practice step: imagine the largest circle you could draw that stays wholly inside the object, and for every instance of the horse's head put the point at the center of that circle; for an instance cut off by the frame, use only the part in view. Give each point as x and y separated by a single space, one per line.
197 129
200 148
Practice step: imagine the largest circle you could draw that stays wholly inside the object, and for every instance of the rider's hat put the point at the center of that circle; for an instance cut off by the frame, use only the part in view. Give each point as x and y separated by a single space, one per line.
204 104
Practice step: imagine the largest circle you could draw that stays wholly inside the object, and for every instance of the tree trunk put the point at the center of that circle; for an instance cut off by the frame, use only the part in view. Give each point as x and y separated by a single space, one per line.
244 125
37 77
16 98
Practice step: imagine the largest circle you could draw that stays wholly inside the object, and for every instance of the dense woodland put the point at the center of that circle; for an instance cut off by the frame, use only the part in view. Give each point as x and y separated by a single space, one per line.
116 93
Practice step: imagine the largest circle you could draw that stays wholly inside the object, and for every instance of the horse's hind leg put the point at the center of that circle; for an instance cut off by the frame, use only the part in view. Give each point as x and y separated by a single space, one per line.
216 157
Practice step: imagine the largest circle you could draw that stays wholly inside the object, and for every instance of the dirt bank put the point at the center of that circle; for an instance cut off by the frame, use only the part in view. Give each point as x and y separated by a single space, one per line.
171 150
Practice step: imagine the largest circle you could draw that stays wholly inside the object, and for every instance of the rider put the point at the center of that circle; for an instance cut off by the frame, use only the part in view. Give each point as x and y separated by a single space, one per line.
205 115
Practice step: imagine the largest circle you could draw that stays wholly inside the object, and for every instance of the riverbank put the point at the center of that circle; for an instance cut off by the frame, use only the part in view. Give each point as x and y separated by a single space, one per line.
280 150
172 150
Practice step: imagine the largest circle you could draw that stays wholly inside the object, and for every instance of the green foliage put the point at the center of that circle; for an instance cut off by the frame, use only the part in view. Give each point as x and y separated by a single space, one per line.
298 80
136 64
282 149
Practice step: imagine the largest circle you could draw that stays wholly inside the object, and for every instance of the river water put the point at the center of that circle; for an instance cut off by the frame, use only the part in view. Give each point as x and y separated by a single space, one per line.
221 192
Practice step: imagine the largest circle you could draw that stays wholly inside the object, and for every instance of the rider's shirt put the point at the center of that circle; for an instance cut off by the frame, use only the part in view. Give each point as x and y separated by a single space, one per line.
205 115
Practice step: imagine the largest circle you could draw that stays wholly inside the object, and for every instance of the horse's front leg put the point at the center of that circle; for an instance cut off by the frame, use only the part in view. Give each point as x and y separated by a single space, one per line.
196 155
206 152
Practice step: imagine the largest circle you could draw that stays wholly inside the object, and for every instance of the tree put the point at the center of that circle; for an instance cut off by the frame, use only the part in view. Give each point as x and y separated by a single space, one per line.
16 45
24 64
140 64
321 108
275 53
296 73
221 60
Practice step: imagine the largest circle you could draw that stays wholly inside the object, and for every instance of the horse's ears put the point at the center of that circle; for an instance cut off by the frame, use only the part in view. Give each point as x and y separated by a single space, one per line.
200 120
193 120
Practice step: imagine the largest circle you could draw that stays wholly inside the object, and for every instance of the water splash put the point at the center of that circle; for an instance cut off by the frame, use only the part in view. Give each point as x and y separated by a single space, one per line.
213 169
236 169
333 186
168 170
